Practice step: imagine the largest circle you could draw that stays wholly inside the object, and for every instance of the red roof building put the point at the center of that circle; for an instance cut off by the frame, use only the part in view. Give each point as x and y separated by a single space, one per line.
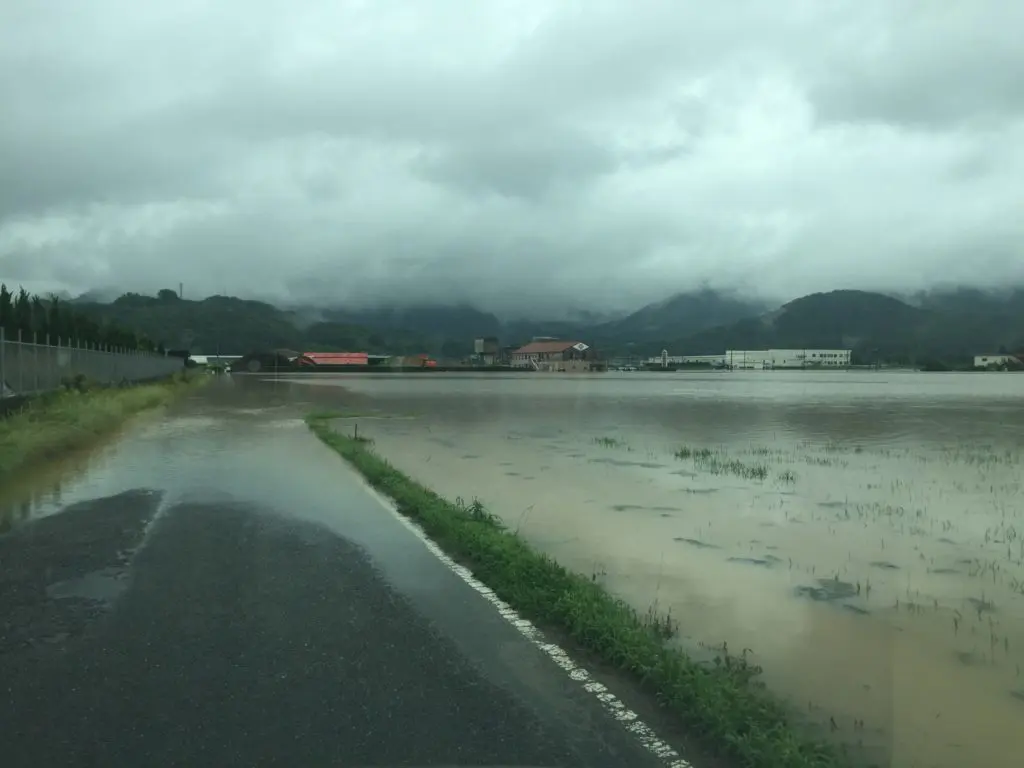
551 354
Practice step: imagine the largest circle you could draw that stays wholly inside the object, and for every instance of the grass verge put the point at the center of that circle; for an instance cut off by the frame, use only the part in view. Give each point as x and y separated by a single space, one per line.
724 704
75 416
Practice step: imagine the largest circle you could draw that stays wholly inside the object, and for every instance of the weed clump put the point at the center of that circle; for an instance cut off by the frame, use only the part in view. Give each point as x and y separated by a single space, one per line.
717 463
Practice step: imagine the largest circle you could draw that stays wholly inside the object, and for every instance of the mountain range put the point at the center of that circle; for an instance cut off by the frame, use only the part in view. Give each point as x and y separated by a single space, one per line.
949 326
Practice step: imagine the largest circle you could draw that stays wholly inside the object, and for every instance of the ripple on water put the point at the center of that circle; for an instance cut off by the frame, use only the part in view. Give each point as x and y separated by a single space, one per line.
625 463
982 606
827 590
629 507
695 543
765 562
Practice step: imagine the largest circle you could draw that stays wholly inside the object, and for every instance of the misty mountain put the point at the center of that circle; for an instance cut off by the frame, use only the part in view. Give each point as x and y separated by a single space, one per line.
97 296
645 330
447 322
653 326
216 323
971 301
237 326
951 326
875 326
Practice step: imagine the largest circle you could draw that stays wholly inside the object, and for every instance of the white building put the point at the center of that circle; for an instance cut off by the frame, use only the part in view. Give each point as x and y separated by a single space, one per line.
767 359
762 359
665 359
995 361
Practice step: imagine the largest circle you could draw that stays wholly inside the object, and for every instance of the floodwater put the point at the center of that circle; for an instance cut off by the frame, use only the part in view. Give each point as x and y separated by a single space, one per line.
244 442
857 534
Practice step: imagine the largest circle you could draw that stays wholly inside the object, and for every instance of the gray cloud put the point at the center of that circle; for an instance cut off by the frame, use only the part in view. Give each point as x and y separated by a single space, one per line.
928 65
520 165
528 153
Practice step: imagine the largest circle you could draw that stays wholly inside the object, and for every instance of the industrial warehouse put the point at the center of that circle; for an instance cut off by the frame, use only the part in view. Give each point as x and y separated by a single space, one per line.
760 359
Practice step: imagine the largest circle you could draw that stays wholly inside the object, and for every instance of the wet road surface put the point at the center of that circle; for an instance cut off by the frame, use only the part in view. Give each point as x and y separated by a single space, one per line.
219 589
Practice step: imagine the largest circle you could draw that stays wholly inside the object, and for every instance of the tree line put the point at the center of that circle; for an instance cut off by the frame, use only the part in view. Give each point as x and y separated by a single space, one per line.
49 320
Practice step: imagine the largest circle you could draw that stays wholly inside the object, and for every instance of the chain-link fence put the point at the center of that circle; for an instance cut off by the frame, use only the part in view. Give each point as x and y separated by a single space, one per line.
34 365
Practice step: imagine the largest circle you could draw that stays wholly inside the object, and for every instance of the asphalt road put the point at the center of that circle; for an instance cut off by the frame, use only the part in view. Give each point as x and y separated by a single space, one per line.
190 623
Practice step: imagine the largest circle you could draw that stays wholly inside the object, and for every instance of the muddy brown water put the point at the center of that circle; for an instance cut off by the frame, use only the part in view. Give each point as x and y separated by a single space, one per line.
859 534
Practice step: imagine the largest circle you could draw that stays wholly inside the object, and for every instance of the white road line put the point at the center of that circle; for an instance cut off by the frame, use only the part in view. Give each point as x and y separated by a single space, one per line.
619 711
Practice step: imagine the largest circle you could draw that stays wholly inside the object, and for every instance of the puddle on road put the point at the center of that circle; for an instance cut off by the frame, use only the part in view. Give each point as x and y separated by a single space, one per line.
102 586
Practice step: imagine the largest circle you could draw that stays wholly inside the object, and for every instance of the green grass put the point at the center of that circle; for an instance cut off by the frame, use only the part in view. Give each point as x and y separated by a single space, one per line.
74 417
717 464
725 704
697 454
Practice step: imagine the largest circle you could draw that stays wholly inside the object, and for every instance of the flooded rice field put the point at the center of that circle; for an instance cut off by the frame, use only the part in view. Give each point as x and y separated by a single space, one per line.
858 534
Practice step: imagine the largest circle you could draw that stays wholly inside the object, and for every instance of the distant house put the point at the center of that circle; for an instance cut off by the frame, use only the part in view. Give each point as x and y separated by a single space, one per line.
553 355
997 360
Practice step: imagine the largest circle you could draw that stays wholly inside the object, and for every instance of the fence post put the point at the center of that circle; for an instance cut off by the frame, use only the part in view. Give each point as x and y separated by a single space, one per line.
21 365
35 362
3 362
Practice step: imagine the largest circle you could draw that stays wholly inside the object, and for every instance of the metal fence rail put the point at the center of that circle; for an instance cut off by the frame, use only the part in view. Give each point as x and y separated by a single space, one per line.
32 366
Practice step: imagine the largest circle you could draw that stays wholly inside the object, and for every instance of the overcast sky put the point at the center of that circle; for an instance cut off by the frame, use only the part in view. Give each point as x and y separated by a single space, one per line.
510 152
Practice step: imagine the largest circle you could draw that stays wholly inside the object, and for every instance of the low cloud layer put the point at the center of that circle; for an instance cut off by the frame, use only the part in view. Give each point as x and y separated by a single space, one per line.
517 154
